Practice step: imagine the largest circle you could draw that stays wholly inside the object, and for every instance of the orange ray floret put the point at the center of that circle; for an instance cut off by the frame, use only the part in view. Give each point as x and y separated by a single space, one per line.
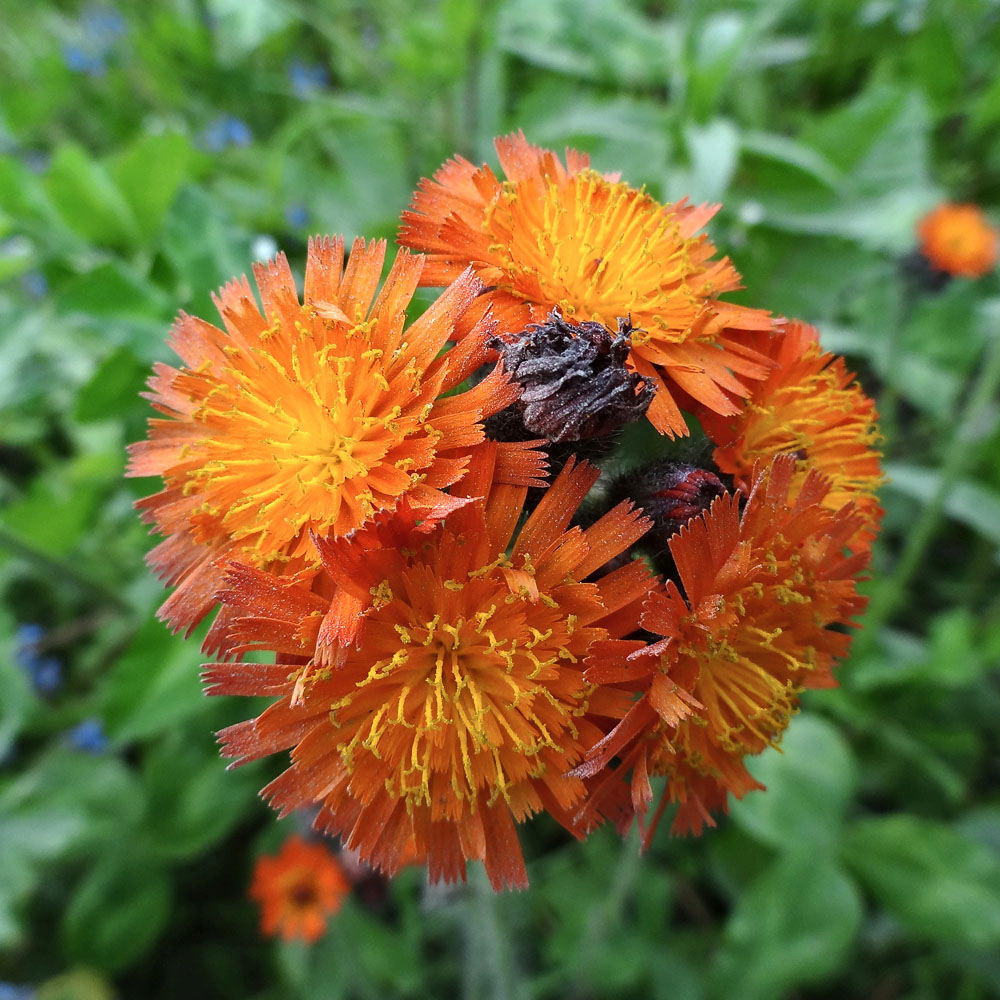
465 706
747 630
553 236
809 406
958 240
309 416
298 890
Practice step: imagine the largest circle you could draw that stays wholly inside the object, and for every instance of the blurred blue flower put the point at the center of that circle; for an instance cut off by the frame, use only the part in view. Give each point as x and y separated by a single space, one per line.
103 25
46 675
297 215
307 78
89 736
35 283
224 131
99 29
27 634
79 60
45 672
11 991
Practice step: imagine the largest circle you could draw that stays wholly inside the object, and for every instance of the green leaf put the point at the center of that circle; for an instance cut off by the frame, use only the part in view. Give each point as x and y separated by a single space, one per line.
79 984
205 247
597 41
88 199
809 785
714 151
111 289
117 911
154 686
972 504
193 799
18 698
793 925
150 173
113 386
940 885
792 153
66 805
241 26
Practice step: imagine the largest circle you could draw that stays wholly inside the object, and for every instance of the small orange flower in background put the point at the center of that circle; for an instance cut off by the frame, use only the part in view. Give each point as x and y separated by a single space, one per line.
811 407
298 890
958 240
310 417
745 632
565 237
464 705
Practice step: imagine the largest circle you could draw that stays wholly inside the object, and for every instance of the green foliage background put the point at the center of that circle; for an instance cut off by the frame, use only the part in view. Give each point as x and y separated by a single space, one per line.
871 867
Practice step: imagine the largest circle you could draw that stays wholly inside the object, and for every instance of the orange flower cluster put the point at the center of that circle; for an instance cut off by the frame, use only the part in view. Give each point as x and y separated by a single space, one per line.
460 634
958 240
298 889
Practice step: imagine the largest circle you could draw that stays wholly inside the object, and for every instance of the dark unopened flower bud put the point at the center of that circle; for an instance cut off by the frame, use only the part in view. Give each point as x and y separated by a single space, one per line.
574 379
671 493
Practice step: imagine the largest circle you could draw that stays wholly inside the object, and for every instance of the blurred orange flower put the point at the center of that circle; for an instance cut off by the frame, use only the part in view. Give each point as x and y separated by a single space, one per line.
310 416
746 631
553 236
958 240
811 407
464 707
298 890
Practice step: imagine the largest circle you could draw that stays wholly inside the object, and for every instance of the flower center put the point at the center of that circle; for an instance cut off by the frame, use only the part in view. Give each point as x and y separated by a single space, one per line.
462 707
300 437
596 249
302 895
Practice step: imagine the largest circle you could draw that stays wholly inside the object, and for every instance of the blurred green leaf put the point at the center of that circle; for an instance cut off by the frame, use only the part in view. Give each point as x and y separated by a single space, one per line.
809 785
595 39
713 149
18 698
79 984
939 884
193 799
792 153
154 686
111 289
88 200
241 26
114 384
205 247
149 174
972 504
793 925
118 910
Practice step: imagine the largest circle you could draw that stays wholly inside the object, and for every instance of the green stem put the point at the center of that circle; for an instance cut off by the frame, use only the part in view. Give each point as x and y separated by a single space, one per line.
960 449
59 569
489 964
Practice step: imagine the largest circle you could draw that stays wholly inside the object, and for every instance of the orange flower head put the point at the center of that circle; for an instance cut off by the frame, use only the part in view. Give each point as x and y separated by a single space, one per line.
465 706
554 236
747 630
308 416
298 889
809 406
958 240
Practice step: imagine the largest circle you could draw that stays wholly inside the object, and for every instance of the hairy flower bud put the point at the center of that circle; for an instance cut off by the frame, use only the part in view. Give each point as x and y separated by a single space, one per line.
670 493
